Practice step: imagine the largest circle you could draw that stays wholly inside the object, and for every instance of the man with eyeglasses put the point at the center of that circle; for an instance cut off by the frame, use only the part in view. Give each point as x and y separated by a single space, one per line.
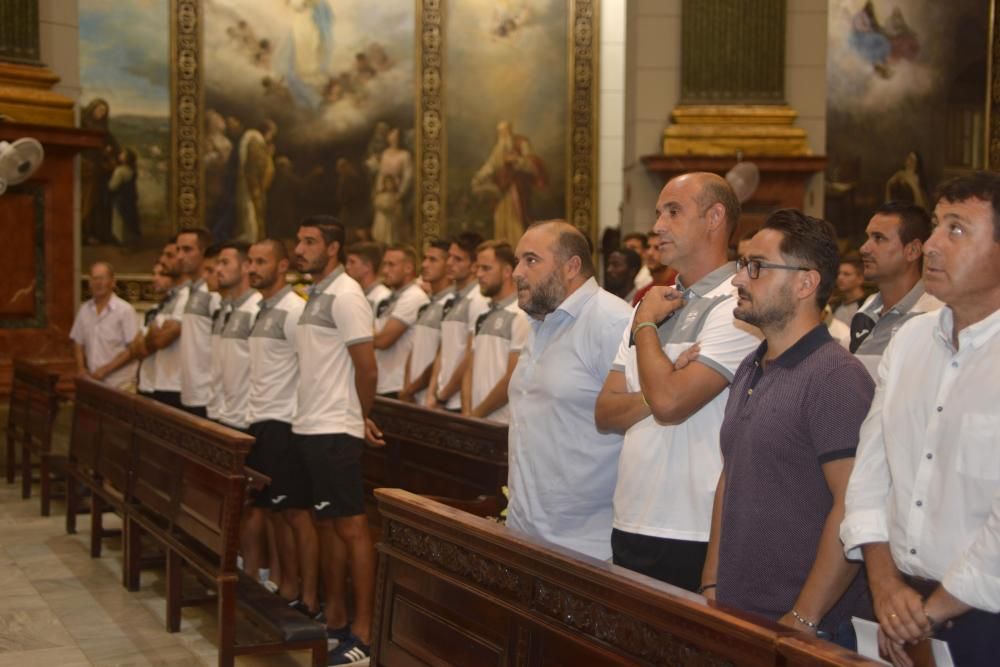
788 441
670 411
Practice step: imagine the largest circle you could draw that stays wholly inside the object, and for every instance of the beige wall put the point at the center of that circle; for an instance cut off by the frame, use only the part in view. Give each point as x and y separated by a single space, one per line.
652 90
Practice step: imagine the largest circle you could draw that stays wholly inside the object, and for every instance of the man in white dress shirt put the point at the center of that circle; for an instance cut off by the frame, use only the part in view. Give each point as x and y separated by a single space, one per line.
923 503
103 328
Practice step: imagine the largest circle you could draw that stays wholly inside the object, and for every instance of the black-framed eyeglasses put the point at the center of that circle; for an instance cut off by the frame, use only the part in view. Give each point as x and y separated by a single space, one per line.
753 267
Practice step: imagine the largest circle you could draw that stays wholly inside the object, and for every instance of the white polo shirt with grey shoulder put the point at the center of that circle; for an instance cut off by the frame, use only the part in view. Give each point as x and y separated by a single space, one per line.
403 305
274 358
667 474
458 322
376 293
427 335
876 328
336 317
234 349
501 330
215 401
196 348
147 367
167 374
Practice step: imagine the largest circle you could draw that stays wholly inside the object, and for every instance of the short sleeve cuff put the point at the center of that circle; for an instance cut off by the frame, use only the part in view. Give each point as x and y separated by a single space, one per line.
863 527
355 341
716 366
618 367
973 586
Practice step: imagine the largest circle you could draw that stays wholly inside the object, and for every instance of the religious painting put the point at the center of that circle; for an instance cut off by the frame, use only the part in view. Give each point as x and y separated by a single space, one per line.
907 101
125 91
308 109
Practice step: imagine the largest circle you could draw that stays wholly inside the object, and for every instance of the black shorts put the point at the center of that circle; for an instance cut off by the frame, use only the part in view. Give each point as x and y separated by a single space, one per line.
171 398
196 410
275 455
333 462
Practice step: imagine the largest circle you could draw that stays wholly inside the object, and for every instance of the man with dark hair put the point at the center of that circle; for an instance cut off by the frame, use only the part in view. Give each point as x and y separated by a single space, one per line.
163 333
639 243
788 440
455 351
562 470
162 283
427 328
497 335
196 323
661 274
670 411
620 271
922 504
395 316
892 258
336 390
233 271
274 376
850 292
364 264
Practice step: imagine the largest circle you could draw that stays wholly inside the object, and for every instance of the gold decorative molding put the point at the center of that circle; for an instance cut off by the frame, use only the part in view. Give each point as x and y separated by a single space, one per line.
26 96
186 103
718 130
430 149
993 91
581 191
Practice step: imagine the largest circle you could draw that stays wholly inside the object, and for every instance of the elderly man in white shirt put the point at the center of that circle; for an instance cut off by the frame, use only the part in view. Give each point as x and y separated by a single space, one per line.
923 503
103 328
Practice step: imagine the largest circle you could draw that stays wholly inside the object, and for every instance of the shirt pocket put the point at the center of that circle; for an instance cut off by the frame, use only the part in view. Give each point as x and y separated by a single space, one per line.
979 446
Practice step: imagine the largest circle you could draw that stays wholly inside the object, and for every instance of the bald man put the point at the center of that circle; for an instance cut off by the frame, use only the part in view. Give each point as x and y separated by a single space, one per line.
102 331
562 470
668 407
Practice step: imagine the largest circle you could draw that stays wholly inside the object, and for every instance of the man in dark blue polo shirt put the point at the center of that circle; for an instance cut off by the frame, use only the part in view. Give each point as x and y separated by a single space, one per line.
788 440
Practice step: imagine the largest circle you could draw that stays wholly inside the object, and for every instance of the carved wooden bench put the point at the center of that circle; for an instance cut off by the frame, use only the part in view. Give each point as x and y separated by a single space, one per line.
455 589
36 408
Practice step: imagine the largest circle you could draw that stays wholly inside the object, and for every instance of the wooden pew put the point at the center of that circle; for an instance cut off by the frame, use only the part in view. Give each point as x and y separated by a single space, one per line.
181 481
41 406
454 589
462 460
17 424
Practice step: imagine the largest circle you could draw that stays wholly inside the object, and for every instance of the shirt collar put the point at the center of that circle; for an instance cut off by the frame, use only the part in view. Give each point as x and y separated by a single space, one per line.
905 304
465 291
242 298
500 305
446 292
974 335
273 300
372 287
323 284
196 285
109 306
803 347
573 304
709 282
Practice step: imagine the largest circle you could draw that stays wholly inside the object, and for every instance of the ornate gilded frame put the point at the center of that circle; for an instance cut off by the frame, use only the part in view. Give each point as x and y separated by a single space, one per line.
993 91
187 105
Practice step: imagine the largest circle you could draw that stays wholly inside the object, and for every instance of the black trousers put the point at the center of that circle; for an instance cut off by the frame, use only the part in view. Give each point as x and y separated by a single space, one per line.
677 562
973 638
196 410
171 398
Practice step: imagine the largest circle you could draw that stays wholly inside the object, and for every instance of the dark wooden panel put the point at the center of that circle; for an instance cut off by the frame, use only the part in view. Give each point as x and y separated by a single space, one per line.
17 256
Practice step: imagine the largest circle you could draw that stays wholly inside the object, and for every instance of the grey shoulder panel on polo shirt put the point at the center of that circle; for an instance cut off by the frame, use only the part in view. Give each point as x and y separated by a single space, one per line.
199 303
686 324
499 323
240 325
459 312
319 311
270 324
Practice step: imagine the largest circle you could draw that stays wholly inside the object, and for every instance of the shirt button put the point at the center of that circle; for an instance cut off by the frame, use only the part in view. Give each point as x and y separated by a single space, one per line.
940 408
920 503
913 552
954 364
929 456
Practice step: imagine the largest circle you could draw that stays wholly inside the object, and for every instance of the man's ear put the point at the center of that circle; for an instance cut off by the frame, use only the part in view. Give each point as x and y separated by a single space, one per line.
913 250
716 216
571 269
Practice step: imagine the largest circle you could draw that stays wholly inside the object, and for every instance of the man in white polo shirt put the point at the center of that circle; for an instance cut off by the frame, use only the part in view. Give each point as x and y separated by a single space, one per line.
103 329
671 413
364 262
147 364
162 336
395 317
498 335
427 330
469 303
274 377
337 377
196 323
233 271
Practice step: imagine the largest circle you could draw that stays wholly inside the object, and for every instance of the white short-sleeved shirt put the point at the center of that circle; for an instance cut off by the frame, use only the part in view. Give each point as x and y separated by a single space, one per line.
460 319
147 367
502 329
667 474
214 406
104 335
427 335
196 348
403 305
234 349
336 317
274 359
376 294
168 360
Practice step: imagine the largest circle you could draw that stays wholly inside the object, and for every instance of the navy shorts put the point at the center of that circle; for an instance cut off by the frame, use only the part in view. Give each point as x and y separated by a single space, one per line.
333 465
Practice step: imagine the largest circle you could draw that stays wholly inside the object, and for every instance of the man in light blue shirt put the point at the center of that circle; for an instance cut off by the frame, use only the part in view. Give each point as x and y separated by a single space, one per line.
562 470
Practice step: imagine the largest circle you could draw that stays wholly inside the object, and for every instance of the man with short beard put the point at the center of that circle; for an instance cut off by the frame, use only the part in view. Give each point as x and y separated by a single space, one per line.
669 410
497 337
395 317
162 282
562 470
427 329
202 303
788 441
163 332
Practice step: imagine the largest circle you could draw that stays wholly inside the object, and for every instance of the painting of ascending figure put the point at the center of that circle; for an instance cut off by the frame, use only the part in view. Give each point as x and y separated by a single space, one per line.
308 109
